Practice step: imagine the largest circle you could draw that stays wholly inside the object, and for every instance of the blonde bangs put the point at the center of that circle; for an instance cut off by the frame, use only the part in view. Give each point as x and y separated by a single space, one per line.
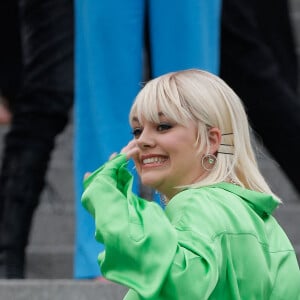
160 96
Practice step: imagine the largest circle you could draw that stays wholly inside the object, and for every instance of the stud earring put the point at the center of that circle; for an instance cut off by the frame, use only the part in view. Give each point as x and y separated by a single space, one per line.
208 161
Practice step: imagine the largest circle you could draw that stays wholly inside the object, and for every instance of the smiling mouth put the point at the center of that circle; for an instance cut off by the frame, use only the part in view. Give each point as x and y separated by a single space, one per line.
154 160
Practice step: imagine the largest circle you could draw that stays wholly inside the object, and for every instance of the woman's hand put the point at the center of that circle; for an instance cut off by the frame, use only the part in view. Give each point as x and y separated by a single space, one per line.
86 175
131 149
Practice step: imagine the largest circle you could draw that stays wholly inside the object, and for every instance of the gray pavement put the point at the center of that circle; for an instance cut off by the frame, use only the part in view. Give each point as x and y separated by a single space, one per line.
59 290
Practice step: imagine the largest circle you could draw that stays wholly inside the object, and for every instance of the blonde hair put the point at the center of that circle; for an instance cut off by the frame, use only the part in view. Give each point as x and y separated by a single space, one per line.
199 96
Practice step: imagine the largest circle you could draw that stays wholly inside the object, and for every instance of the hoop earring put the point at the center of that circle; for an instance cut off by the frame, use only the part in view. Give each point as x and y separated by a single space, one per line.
208 162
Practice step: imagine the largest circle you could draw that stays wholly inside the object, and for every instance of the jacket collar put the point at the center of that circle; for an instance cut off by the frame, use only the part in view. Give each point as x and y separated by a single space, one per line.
261 202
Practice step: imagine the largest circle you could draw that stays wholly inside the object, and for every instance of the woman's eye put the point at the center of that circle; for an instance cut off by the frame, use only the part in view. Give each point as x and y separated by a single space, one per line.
163 127
137 132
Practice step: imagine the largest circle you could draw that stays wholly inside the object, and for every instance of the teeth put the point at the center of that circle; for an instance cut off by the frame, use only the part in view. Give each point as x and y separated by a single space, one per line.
153 160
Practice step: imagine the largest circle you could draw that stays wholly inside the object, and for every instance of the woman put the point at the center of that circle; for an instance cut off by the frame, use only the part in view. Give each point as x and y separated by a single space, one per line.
216 238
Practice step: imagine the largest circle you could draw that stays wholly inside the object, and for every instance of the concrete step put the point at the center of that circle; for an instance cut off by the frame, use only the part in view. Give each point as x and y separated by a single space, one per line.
51 244
49 262
52 227
288 217
59 290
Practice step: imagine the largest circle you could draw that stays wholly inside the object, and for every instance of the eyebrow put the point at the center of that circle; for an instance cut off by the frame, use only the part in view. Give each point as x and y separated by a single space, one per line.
135 119
160 114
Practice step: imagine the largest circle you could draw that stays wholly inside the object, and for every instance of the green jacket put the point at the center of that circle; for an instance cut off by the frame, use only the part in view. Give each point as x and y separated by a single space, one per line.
214 242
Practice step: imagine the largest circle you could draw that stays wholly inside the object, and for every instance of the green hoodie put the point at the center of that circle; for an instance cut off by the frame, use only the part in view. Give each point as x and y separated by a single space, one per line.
213 242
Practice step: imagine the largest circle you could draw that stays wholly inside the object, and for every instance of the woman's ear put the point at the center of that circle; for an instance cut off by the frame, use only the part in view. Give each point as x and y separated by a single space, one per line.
214 137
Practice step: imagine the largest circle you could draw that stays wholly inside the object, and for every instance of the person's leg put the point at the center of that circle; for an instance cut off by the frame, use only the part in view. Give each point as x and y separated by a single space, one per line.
258 61
10 58
40 115
279 37
184 34
108 68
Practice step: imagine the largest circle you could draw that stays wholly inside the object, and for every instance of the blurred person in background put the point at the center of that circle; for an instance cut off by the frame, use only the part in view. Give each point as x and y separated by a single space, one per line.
10 58
109 68
259 61
40 113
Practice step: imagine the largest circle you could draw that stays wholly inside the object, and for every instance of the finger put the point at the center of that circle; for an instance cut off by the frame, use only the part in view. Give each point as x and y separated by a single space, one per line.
130 149
113 155
132 153
86 175
131 145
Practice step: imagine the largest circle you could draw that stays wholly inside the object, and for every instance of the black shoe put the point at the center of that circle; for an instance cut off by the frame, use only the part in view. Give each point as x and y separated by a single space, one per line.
12 265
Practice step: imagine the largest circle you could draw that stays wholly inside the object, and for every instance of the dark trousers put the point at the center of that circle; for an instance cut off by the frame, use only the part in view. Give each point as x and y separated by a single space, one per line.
10 50
40 114
258 60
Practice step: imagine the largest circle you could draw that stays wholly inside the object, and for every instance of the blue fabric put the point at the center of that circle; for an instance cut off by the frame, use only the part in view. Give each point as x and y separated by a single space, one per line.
109 47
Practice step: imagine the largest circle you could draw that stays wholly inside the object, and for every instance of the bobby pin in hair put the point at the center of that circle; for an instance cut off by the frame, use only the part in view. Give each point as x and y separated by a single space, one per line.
225 153
227 133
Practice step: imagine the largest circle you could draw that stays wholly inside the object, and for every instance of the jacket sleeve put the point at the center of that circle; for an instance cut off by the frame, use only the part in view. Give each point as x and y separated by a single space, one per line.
142 248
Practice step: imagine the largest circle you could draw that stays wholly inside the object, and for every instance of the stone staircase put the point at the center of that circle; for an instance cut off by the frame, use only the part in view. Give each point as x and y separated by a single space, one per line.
59 290
289 211
50 251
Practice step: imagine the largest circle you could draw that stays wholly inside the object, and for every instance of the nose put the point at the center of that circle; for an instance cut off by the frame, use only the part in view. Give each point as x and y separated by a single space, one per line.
145 140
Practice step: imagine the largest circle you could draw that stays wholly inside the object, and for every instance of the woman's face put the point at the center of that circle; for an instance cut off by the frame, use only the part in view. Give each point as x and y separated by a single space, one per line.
167 155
